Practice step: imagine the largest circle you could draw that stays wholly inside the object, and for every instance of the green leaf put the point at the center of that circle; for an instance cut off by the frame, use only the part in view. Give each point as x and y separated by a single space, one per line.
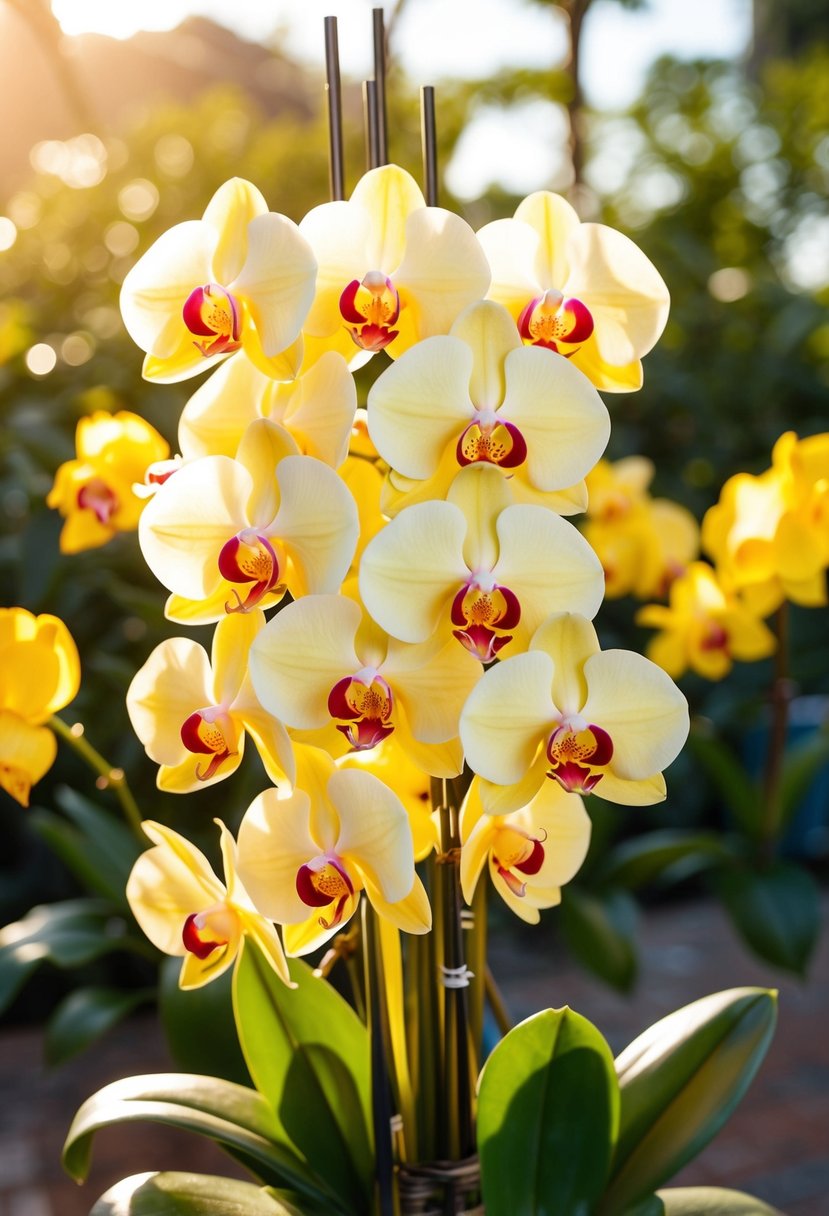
239 1119
711 1201
199 1025
112 845
84 1016
600 930
800 767
178 1194
66 934
729 778
548 1111
679 1082
71 846
776 911
640 861
308 1053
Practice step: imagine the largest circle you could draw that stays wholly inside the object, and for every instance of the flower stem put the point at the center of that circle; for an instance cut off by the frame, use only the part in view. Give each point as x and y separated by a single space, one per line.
108 776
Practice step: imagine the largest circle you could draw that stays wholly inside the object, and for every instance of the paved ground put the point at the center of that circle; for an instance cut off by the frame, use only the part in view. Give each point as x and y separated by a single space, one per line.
776 1145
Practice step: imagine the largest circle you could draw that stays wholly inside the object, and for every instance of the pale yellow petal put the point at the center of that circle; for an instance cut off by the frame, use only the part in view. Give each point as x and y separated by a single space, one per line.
264 444
175 681
388 195
168 883
277 280
26 754
183 778
232 640
274 840
374 831
569 640
432 685
339 235
482 492
196 972
643 792
318 524
490 333
228 213
411 914
511 247
155 291
319 409
556 223
215 417
507 716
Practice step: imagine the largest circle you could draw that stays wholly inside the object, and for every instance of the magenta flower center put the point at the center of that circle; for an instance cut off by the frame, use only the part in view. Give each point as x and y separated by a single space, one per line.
213 314
555 322
362 705
371 307
578 753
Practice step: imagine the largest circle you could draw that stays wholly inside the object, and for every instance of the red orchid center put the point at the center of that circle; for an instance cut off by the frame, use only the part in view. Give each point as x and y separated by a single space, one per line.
714 637
514 849
575 750
212 313
249 557
551 320
483 613
324 881
363 706
371 307
491 440
214 929
98 497
210 732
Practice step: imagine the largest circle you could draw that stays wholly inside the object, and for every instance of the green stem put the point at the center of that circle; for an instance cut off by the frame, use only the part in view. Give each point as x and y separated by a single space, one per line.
108 775
781 696
496 1003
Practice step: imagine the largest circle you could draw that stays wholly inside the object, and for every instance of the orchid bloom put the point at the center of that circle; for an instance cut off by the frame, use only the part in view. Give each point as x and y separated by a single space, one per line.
186 911
94 493
592 720
479 396
40 672
317 409
229 535
769 535
531 852
306 857
413 786
192 718
320 665
705 627
583 290
478 566
643 543
391 269
240 278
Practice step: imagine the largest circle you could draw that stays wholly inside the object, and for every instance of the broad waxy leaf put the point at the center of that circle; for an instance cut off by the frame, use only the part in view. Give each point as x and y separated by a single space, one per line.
776 911
308 1053
729 778
199 1026
711 1201
548 1110
110 845
640 861
679 1082
85 1015
239 1119
800 768
180 1194
600 929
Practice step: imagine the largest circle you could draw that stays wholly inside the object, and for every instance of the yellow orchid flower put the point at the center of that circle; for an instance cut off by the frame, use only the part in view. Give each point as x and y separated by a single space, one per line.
94 492
391 269
583 290
413 786
40 672
230 535
531 852
320 665
240 278
306 857
317 409
643 543
186 911
608 721
192 719
769 535
704 627
479 567
478 395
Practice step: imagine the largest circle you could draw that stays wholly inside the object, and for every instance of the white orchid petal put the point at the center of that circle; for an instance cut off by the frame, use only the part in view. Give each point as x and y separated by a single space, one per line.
155 290
274 841
277 280
318 524
374 831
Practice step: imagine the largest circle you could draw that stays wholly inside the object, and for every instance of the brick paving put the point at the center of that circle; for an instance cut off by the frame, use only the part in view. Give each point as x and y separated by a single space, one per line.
776 1146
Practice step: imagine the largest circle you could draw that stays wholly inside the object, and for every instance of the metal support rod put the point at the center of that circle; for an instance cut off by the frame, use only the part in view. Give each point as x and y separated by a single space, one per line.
380 81
429 143
336 173
370 115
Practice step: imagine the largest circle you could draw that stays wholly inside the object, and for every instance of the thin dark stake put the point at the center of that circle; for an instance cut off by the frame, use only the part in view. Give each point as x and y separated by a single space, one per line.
380 1092
380 80
372 129
336 174
429 143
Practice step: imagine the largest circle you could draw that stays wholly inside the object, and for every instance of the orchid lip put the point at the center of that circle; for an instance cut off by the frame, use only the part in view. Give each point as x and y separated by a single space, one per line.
491 440
362 706
98 497
551 321
576 750
324 881
210 732
211 312
249 557
371 307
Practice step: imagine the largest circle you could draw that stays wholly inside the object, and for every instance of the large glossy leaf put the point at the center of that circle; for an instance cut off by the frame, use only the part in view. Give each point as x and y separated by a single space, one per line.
178 1194
729 778
776 911
239 1119
66 934
662 854
600 929
199 1025
800 768
548 1110
111 846
308 1053
679 1083
711 1201
85 1015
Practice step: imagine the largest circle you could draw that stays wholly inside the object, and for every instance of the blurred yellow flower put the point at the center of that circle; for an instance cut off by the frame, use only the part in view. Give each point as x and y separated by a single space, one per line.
94 492
39 673
187 912
643 543
704 627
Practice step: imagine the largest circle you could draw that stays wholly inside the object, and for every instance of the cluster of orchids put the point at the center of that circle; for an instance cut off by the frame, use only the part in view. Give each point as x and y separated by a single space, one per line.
395 591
